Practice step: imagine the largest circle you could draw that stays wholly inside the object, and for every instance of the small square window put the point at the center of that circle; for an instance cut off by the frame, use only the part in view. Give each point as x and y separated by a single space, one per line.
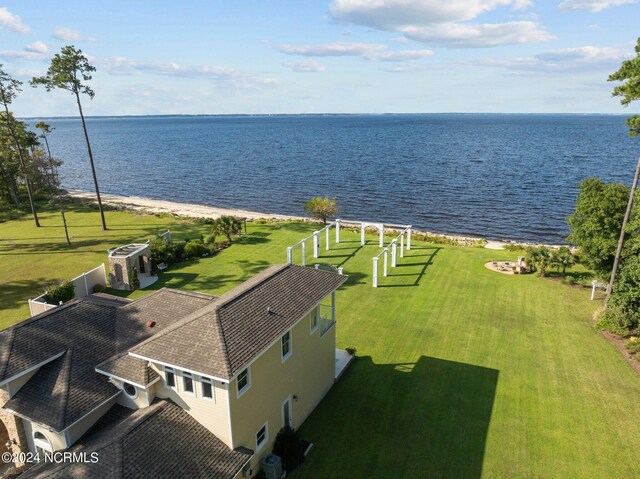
187 383
286 345
170 377
244 382
262 436
207 388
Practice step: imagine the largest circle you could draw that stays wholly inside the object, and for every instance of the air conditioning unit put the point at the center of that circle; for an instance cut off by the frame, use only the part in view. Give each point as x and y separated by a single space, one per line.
272 466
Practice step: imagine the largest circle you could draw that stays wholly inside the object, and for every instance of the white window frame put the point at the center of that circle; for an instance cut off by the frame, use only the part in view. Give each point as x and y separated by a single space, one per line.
168 370
186 375
42 444
135 390
265 439
289 343
205 380
315 320
247 386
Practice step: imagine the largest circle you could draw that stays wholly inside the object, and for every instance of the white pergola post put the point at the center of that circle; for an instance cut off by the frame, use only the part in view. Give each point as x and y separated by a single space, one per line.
386 260
362 228
409 238
289 254
402 245
394 253
593 289
316 245
381 236
337 231
327 237
304 253
375 272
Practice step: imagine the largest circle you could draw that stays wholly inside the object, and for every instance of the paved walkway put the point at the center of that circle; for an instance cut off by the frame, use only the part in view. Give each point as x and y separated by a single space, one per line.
343 359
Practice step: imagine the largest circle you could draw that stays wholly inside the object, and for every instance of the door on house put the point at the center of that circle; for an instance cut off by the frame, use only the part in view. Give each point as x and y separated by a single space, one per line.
286 413
141 260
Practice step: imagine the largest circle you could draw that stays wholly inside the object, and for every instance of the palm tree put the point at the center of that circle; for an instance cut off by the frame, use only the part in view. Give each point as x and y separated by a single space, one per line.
540 258
67 71
562 258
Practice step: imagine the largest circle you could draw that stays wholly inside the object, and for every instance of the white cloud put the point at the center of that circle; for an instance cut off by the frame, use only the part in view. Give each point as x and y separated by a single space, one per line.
306 66
37 47
563 61
68 35
12 22
441 22
21 55
592 5
369 51
230 77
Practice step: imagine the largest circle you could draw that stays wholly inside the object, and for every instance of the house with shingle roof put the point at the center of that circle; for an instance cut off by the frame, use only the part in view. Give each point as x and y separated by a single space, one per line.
174 381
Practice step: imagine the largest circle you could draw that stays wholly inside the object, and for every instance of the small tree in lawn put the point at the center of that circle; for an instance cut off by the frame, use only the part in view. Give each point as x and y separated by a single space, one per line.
67 71
226 226
321 208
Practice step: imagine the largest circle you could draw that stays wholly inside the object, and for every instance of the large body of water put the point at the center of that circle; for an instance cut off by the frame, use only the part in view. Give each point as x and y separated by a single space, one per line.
496 176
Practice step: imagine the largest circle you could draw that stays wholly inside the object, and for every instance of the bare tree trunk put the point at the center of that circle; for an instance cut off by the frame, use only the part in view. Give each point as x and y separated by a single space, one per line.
616 260
22 165
11 186
93 168
55 183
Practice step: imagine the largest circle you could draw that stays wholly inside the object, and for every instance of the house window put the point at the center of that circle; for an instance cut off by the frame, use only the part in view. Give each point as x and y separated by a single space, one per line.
42 444
286 346
262 436
207 388
314 319
130 390
170 377
244 382
187 383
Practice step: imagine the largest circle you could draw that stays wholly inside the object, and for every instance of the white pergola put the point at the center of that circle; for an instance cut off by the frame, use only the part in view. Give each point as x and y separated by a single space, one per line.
316 237
393 248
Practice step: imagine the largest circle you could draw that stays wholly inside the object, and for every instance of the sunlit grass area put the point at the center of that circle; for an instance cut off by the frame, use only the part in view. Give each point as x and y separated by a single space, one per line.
461 372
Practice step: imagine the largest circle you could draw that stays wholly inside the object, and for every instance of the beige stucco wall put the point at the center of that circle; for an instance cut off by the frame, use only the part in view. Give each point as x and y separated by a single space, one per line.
76 431
214 415
308 374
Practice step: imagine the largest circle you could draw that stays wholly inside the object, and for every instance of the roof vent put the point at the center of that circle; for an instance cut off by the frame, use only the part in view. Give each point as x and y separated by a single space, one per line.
269 310
151 323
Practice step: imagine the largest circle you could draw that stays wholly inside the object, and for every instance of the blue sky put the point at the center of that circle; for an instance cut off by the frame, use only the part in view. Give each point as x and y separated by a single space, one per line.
281 56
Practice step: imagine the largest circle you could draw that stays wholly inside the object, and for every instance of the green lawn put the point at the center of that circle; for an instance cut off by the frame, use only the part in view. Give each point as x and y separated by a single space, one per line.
460 372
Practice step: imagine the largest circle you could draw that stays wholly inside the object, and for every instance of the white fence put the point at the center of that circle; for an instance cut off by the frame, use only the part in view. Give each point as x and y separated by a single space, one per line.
82 286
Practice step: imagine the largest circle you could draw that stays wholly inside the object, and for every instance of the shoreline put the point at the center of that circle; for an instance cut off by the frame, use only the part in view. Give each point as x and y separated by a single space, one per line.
192 210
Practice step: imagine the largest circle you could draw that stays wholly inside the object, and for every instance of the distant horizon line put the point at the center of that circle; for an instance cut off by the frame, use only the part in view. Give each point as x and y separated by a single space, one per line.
194 115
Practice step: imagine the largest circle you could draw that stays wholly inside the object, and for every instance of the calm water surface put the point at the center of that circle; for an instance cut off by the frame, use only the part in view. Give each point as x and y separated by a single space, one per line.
495 176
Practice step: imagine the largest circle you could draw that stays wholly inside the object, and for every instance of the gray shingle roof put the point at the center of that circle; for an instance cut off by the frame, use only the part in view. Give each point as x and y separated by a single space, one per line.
130 369
84 333
222 338
162 441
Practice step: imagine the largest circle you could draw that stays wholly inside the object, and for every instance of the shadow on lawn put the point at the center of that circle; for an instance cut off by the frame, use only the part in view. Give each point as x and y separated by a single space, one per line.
401 264
424 419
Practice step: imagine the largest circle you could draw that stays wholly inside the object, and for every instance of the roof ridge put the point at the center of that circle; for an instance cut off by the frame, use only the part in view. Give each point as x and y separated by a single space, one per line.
217 323
250 284
64 376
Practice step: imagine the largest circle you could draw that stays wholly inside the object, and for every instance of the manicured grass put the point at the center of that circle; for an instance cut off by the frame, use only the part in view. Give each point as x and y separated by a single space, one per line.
460 372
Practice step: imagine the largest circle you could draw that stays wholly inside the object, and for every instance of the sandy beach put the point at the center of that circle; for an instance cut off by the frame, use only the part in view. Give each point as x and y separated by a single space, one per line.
204 211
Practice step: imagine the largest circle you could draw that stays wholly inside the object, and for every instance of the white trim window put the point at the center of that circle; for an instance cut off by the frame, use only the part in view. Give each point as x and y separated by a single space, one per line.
314 320
42 445
286 345
170 378
187 383
244 381
207 389
262 436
